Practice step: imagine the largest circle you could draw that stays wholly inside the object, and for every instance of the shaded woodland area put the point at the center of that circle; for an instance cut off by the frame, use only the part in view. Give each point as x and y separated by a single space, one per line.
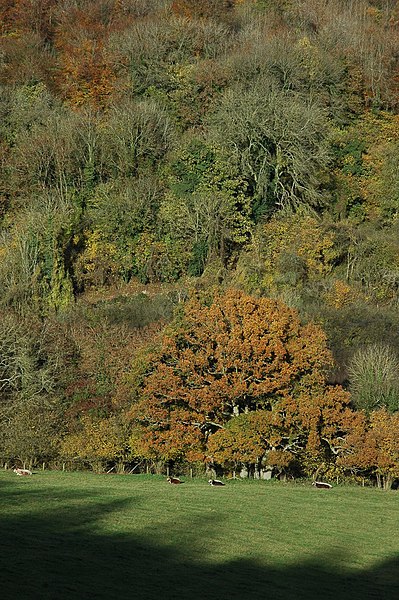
165 160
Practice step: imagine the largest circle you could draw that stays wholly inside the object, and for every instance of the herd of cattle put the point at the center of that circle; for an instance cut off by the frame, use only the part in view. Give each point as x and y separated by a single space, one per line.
217 482
177 480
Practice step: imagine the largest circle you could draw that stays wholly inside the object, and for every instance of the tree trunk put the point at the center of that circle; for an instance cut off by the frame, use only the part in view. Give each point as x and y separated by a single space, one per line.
387 482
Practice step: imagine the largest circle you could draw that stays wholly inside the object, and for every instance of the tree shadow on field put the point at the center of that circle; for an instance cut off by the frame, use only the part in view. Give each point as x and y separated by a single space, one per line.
60 555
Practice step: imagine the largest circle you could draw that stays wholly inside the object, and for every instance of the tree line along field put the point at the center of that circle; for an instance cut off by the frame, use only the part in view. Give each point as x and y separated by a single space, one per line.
75 535
171 164
234 383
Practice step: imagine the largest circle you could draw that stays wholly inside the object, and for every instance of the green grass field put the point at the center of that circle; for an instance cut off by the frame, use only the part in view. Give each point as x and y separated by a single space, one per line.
81 536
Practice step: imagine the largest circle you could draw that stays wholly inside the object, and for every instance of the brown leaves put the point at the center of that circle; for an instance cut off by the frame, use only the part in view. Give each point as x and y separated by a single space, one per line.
21 16
226 356
373 445
202 8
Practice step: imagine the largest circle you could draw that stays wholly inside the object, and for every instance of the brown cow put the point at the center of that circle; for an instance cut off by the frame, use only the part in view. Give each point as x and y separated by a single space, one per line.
174 480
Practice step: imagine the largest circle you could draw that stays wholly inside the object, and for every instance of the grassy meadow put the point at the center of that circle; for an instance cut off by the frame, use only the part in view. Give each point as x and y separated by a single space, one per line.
81 536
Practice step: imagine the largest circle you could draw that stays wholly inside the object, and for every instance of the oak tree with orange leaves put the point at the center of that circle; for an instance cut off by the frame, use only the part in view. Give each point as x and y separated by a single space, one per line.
254 441
372 448
303 433
227 355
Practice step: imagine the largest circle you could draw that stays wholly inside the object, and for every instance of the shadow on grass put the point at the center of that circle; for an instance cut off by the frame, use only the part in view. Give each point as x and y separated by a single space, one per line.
60 554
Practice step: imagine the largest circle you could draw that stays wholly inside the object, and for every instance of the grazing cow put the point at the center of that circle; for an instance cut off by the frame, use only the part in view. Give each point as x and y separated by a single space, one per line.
322 485
174 480
22 471
215 482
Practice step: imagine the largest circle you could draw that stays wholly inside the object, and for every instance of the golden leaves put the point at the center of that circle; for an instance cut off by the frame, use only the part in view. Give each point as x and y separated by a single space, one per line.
232 356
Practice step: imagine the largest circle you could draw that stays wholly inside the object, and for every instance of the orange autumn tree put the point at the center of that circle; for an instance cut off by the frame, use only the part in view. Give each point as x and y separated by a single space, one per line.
316 422
86 73
19 17
227 355
372 448
304 433
254 440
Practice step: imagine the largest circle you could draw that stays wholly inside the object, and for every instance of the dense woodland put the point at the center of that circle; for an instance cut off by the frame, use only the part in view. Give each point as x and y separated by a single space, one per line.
199 250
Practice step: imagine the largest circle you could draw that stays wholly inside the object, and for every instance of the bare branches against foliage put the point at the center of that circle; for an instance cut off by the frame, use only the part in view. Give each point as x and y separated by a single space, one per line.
135 136
279 139
374 378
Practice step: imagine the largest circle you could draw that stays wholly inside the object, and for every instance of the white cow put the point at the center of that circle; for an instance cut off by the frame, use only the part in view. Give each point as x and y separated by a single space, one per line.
22 471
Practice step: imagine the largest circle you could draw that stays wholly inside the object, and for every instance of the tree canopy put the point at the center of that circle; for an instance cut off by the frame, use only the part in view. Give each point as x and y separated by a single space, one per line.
227 356
155 154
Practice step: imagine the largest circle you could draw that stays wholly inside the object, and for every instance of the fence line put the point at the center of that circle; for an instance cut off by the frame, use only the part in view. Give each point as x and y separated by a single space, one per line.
106 467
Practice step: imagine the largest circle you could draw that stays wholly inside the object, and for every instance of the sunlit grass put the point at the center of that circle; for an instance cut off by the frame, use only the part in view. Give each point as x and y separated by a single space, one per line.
80 535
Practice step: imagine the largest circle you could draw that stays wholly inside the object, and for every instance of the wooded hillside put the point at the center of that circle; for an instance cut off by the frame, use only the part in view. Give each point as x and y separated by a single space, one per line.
158 155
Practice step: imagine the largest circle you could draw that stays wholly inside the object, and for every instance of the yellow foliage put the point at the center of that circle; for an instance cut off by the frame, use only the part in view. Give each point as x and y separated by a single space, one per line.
374 12
301 236
97 247
341 294
99 262
98 439
362 176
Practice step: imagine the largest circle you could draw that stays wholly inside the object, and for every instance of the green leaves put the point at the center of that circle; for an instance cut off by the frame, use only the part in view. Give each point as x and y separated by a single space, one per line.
208 205
279 140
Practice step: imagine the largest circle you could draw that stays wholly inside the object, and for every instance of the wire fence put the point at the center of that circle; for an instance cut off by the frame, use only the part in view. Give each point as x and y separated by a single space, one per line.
106 467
